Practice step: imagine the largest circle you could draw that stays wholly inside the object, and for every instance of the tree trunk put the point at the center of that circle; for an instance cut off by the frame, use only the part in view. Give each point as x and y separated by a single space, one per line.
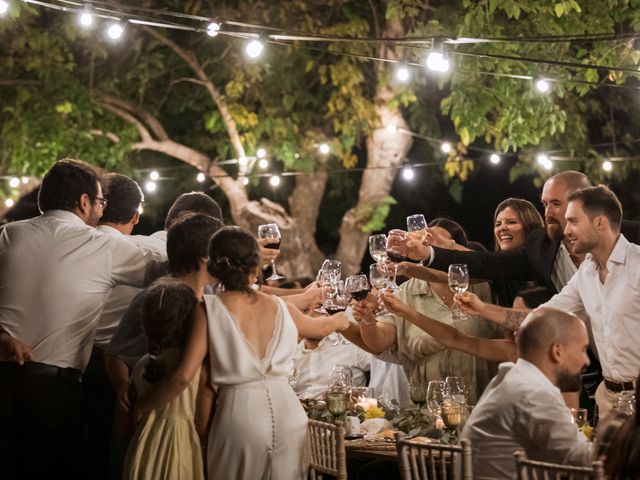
384 149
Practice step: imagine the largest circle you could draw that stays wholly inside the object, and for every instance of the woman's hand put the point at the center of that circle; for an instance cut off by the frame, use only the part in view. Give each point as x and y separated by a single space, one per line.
393 304
363 313
342 321
469 303
267 255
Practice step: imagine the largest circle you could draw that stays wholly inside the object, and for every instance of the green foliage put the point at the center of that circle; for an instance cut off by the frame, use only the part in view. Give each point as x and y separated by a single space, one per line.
372 218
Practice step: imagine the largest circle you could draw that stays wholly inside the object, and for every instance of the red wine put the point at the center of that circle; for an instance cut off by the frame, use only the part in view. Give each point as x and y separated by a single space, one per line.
360 294
274 246
396 257
333 310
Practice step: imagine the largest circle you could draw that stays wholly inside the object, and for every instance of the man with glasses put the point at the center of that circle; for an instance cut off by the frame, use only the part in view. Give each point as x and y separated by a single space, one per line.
56 272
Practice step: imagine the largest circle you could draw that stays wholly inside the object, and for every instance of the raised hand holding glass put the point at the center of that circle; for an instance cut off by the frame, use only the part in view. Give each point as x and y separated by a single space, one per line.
271 230
458 283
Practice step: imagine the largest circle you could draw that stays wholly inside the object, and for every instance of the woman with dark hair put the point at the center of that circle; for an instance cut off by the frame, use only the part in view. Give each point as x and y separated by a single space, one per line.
259 429
426 358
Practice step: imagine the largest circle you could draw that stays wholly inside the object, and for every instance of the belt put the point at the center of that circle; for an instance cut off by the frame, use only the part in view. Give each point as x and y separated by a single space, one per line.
41 369
619 386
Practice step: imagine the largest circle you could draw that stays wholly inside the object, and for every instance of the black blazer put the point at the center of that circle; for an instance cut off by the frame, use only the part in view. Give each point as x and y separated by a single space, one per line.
532 262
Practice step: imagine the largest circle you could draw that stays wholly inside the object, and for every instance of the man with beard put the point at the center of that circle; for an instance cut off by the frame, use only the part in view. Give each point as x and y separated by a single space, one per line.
606 287
523 409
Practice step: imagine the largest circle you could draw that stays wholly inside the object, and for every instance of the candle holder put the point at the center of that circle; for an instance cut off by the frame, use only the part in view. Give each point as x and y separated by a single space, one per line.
337 403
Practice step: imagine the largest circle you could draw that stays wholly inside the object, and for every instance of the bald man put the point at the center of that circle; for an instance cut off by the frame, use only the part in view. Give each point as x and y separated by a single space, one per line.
523 409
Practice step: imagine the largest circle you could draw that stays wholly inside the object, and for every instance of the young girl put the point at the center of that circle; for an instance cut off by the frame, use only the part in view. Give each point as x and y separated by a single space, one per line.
166 444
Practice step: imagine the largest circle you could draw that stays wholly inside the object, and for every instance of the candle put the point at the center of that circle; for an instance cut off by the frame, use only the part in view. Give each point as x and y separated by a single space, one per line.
364 405
373 403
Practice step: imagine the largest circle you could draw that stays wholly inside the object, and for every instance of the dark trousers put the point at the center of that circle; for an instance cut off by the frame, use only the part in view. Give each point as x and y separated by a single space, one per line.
99 404
41 422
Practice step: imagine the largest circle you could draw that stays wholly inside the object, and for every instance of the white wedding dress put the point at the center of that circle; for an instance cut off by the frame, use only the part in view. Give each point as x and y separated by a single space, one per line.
259 430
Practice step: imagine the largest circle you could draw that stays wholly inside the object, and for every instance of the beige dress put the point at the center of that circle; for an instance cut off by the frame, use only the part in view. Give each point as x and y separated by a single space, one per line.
165 444
259 431
425 358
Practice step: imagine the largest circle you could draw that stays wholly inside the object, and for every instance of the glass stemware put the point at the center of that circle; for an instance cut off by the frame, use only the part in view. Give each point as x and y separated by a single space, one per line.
271 230
579 416
378 247
458 283
435 396
340 377
294 375
417 227
456 388
337 402
393 253
340 302
418 394
382 277
357 286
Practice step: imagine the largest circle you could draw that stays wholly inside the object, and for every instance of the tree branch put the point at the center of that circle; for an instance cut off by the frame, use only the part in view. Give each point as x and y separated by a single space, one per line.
151 121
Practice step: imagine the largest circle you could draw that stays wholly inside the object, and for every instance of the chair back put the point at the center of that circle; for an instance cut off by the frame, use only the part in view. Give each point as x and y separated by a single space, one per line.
328 455
534 470
434 461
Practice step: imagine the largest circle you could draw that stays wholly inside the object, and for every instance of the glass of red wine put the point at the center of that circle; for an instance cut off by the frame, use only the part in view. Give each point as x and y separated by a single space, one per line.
339 303
357 286
271 231
393 246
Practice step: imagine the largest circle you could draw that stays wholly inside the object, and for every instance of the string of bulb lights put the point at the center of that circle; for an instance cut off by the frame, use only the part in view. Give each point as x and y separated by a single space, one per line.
437 61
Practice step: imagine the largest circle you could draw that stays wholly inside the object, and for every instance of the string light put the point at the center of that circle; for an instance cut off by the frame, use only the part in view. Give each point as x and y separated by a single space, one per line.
245 181
607 166
324 148
85 19
254 48
544 161
542 85
9 201
445 147
213 29
4 7
261 153
154 175
150 186
263 163
494 158
437 62
392 128
274 180
115 31
25 180
408 173
14 182
242 161
403 74
201 177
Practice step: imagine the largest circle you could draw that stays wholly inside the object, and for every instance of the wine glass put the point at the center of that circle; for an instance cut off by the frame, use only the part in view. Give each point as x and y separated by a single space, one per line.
417 227
331 266
418 394
458 283
393 252
340 377
271 230
456 388
378 247
382 276
452 413
340 302
357 286
294 375
579 416
435 396
626 402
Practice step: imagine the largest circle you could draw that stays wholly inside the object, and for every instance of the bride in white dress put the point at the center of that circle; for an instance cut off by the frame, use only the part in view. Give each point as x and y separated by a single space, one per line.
259 430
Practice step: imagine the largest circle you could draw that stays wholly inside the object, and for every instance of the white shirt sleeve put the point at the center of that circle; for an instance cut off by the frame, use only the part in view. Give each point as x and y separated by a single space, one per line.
569 299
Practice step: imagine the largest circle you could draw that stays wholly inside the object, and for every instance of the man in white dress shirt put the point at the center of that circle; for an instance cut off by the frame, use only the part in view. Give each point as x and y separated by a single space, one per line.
56 272
606 287
523 409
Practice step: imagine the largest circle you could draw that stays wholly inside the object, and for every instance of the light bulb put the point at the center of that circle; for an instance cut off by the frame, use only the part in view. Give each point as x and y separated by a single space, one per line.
245 181
150 186
154 175
403 74
261 153
543 86
9 201
14 182
607 166
437 62
392 128
445 147
407 173
140 210
25 180
274 180
242 161
4 7
86 19
213 29
494 158
542 159
115 31
324 148
254 48
296 155
201 177
263 163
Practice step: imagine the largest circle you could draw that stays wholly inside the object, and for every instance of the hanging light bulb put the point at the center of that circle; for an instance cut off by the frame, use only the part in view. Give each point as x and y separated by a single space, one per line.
254 48
403 74
201 177
392 128
242 161
85 19
263 163
542 85
115 31
607 166
25 180
408 173
324 148
544 161
9 202
261 153
213 29
150 186
154 175
4 7
436 59
494 158
445 147
245 181
274 180
14 182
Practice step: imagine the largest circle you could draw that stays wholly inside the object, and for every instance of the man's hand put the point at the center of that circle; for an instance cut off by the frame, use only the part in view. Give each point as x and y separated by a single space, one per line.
399 242
470 303
268 255
435 237
342 321
363 313
13 350
393 304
